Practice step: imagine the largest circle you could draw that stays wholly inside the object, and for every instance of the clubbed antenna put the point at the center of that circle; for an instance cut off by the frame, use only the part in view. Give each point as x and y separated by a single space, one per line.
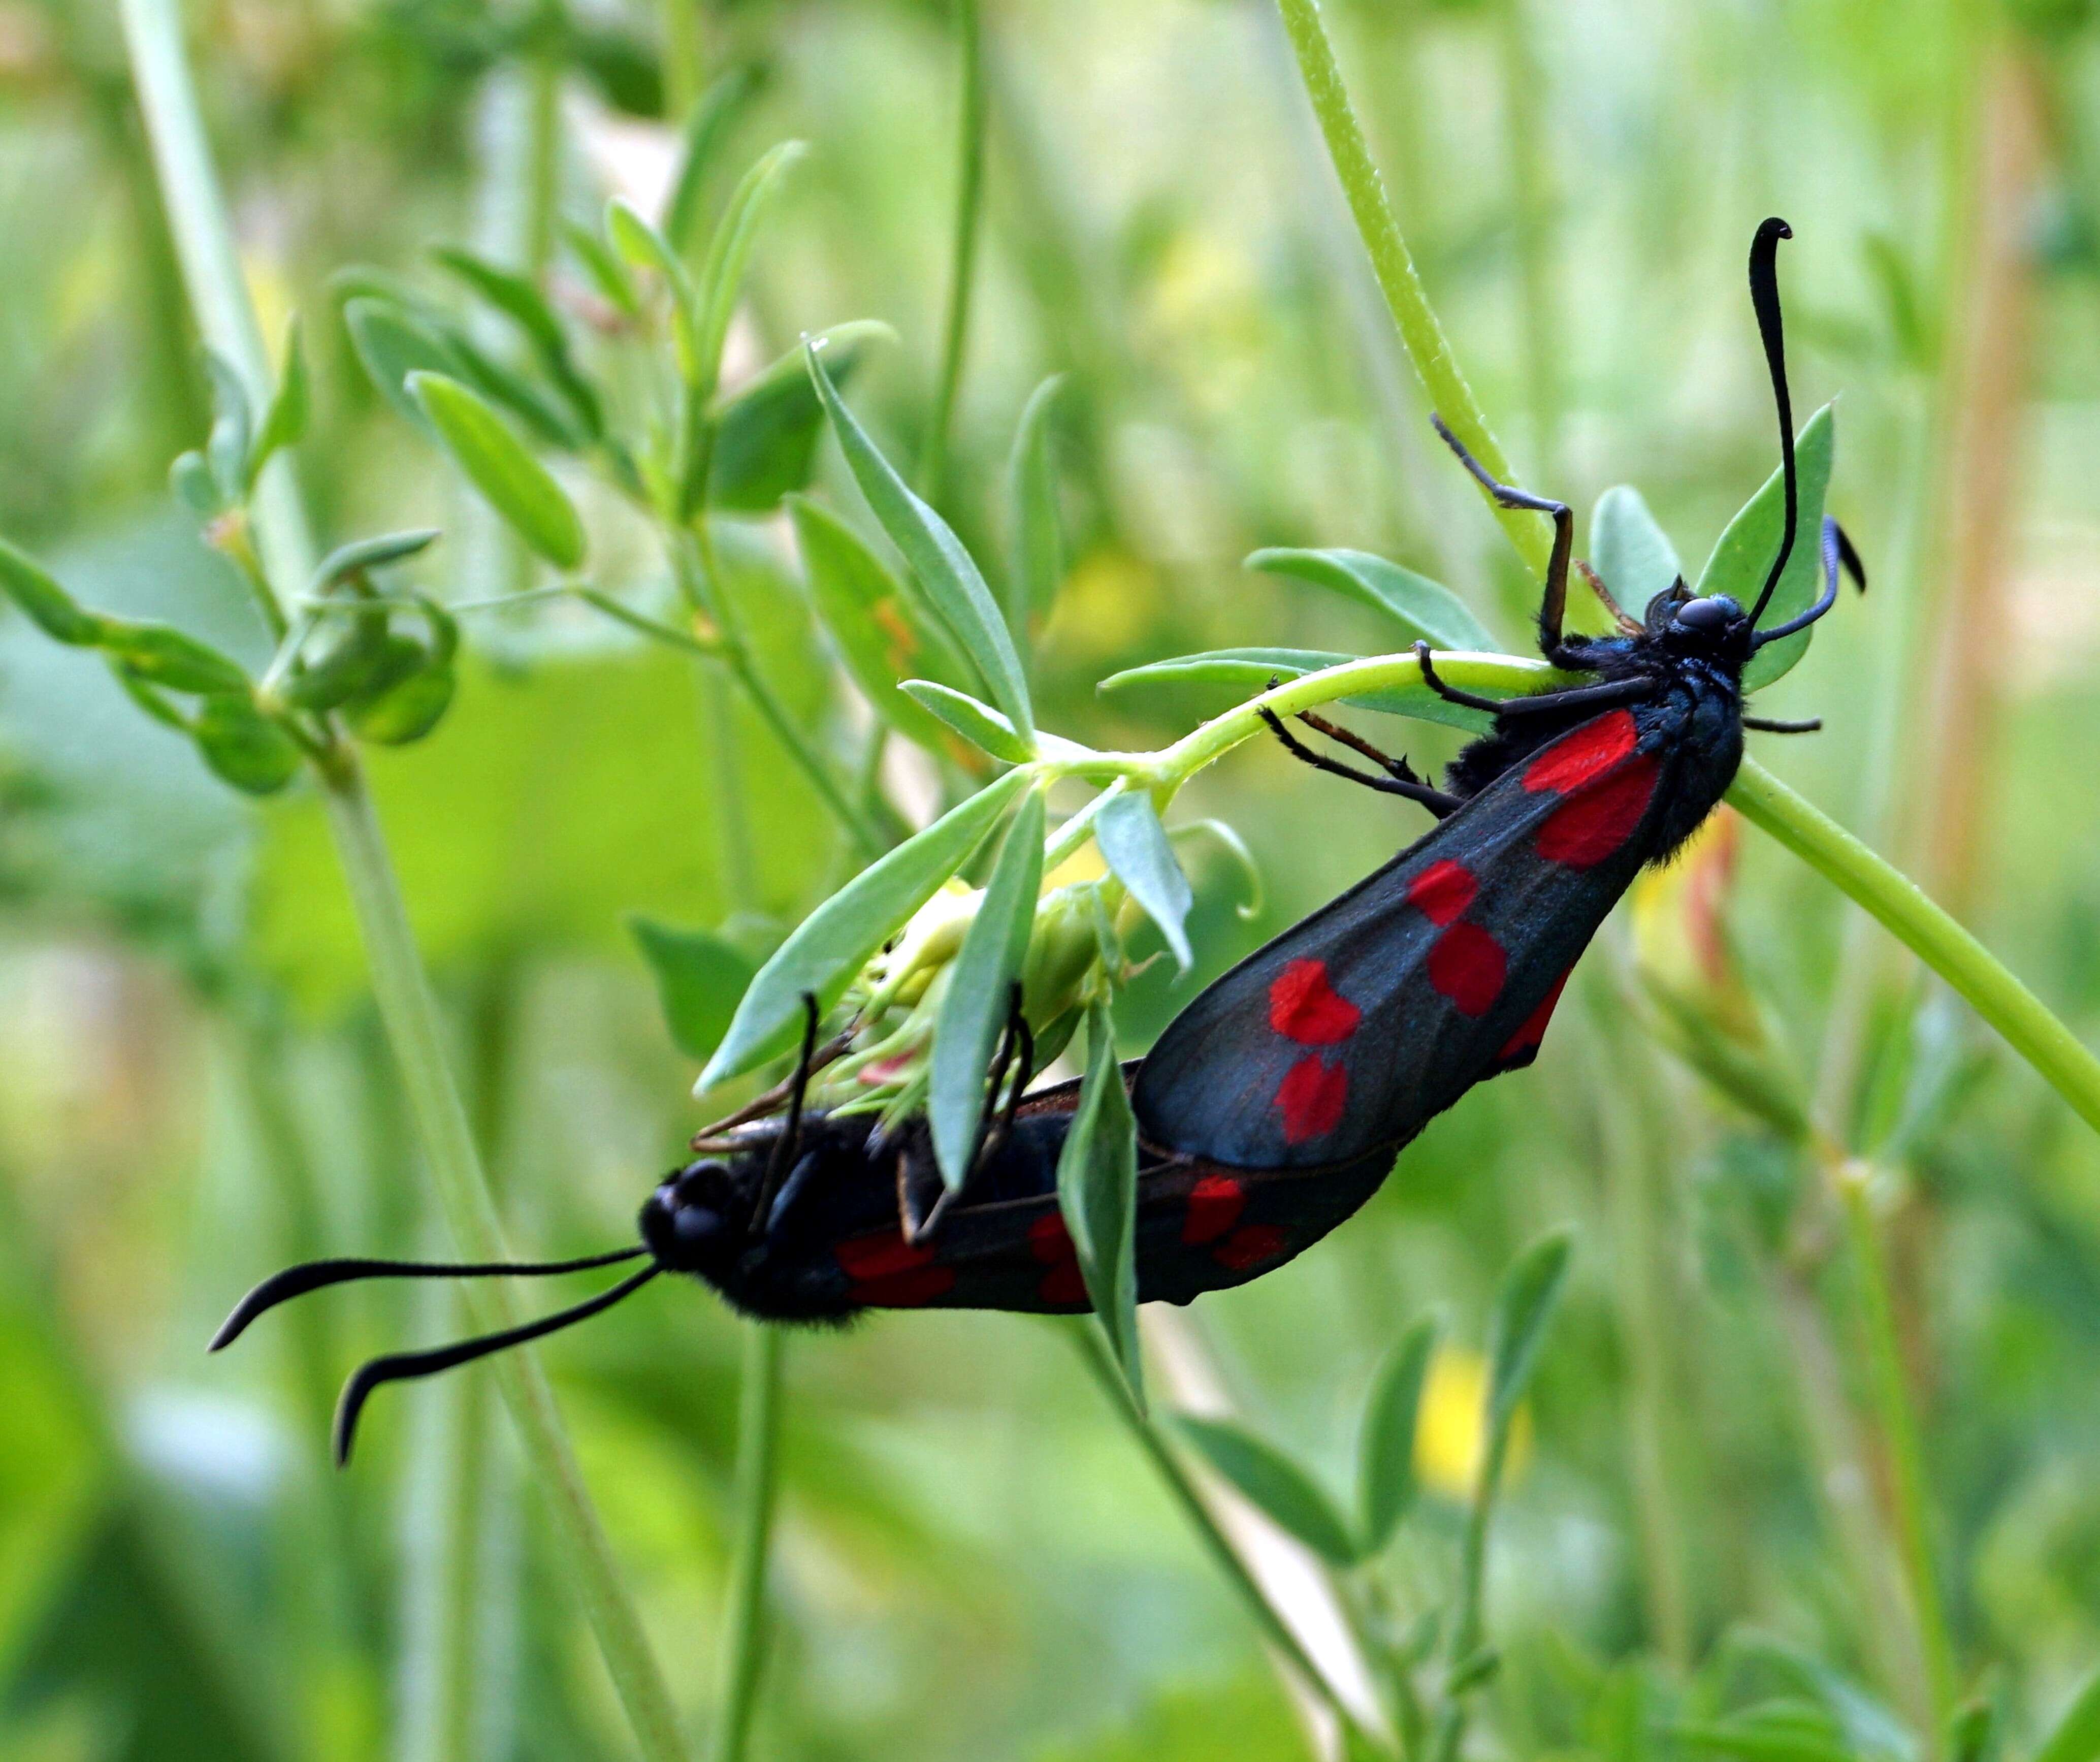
1764 299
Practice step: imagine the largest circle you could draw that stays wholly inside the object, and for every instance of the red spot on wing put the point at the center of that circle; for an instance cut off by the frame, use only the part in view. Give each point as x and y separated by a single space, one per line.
1051 1243
1467 965
1303 1007
888 1273
1249 1246
1312 1097
1443 891
1214 1205
1588 752
1528 1039
1597 820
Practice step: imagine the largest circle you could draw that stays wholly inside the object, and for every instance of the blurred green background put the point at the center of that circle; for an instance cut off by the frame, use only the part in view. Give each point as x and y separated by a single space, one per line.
971 1560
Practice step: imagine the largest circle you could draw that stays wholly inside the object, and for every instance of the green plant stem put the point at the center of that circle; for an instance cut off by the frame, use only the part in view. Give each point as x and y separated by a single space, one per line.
196 213
1108 1376
757 1483
1526 112
962 260
410 1015
1394 265
1899 1423
1469 1630
1930 933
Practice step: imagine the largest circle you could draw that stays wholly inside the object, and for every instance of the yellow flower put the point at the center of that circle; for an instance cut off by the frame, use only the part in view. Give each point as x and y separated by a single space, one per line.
1451 1433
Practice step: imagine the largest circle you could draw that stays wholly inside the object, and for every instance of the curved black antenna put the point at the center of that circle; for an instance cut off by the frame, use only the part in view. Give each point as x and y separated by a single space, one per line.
314 1275
1764 300
1836 549
400 1366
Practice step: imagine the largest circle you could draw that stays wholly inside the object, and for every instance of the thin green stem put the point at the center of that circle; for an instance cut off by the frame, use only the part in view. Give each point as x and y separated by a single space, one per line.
1394 265
757 1485
963 250
197 218
1469 1630
1900 1431
1930 932
1109 1377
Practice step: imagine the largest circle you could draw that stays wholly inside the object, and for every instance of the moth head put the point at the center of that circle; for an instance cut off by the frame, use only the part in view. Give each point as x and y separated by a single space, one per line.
688 1223
1713 624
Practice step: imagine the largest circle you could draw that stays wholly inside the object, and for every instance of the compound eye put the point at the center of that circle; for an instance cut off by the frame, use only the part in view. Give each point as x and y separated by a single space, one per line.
1708 616
696 1226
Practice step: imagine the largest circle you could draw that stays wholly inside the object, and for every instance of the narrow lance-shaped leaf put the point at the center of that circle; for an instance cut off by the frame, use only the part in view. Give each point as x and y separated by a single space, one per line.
729 254
1275 1484
1134 845
243 747
765 432
284 422
1037 564
1426 610
979 724
607 274
1386 1476
524 304
1247 671
361 555
1097 1193
49 605
513 483
935 554
1743 554
1524 1305
881 638
699 977
974 1006
644 247
1630 551
232 427
393 344
706 128
837 940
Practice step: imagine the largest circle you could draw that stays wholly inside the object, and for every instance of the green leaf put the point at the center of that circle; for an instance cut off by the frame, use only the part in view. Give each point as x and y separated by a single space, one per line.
524 304
729 254
706 128
48 606
1037 565
243 745
1745 551
831 945
1632 554
160 655
699 977
1971 1728
643 247
1523 1304
392 345
1272 1483
1134 845
978 723
232 427
936 557
766 434
284 422
1425 610
190 481
360 556
1247 671
1776 1733
974 1006
513 483
2075 1737
1385 1451
879 634
348 666
412 704
1097 1193
607 275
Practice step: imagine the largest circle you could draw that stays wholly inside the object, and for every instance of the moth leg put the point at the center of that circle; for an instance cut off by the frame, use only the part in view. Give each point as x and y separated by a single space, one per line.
793 1191
1450 693
1627 626
1768 725
1575 697
913 1228
1439 802
1409 788
992 1134
760 1106
789 1143
1554 605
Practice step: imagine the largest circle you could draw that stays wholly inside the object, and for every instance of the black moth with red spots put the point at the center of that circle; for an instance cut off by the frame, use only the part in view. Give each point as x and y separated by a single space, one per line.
1272 1106
1345 1036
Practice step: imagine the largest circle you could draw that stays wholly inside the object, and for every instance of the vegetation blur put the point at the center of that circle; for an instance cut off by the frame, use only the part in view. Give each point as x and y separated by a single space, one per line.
1759 1316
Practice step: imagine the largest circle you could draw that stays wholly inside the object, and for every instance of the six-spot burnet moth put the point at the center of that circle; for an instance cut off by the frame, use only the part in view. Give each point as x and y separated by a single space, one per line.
1274 1105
